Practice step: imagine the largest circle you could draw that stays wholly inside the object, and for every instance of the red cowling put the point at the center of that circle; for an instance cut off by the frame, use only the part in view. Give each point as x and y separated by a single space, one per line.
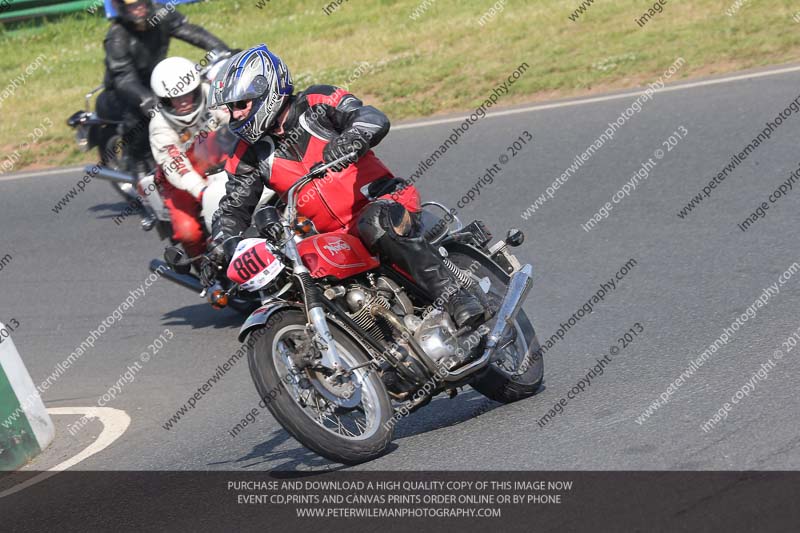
335 254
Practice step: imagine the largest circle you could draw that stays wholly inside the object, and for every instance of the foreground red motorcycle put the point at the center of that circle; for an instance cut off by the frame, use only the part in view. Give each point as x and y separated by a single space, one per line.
344 346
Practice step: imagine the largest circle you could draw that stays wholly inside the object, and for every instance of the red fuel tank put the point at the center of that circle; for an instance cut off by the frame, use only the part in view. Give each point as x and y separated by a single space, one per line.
340 255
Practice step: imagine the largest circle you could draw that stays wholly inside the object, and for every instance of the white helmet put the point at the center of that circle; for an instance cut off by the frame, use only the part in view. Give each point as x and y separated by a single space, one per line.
173 77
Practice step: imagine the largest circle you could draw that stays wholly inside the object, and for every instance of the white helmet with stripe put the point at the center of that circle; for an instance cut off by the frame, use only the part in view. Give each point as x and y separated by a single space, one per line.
174 77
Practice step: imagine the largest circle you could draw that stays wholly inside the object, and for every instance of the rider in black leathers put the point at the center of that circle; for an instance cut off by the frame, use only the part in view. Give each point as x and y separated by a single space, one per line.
136 42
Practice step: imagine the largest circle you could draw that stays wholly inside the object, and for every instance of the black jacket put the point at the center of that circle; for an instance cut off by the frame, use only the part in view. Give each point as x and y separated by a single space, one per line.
131 56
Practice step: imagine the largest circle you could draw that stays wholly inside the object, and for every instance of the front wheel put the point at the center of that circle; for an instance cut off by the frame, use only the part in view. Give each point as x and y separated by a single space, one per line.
309 405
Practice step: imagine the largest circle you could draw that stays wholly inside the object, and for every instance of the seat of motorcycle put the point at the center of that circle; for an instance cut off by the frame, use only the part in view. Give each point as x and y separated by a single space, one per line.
432 226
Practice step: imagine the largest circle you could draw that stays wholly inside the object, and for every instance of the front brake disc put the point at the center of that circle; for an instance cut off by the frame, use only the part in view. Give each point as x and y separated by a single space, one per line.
344 394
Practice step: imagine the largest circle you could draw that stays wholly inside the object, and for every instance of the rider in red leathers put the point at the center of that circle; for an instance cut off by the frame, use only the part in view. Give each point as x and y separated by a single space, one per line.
284 135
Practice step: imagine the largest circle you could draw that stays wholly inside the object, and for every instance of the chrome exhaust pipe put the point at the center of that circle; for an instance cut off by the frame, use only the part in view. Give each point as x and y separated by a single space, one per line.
185 280
112 175
518 288
416 349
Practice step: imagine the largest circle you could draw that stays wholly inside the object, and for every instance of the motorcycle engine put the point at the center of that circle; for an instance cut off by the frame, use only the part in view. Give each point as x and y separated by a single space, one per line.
359 300
434 332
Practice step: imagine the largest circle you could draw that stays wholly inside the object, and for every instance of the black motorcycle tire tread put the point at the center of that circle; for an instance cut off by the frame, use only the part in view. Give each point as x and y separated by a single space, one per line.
105 148
497 387
492 383
290 415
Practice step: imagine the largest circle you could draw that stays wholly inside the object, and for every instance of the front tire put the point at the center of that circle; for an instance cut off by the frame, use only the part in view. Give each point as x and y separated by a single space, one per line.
298 406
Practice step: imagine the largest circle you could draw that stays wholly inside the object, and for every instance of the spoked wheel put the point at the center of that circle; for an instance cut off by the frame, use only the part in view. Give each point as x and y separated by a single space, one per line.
341 417
111 157
518 370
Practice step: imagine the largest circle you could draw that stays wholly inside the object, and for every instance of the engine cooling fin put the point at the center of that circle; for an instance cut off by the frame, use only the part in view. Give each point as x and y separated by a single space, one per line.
365 320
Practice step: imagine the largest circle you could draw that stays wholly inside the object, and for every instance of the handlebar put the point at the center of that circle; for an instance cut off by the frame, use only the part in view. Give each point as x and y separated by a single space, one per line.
290 214
317 171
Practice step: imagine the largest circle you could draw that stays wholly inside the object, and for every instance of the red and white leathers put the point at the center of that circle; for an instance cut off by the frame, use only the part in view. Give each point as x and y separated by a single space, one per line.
181 184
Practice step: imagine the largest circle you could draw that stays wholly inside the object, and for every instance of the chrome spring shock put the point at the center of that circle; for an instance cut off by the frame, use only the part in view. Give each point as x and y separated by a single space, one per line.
462 277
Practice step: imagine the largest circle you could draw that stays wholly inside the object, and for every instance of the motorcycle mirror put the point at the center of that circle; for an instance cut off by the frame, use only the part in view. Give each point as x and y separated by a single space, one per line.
176 259
515 237
75 119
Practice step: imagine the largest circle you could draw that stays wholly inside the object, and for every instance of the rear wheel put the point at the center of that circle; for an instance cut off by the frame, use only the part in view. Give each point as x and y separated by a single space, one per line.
519 370
345 420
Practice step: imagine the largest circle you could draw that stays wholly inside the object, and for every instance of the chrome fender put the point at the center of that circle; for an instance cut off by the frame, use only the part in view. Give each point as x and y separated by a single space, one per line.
260 317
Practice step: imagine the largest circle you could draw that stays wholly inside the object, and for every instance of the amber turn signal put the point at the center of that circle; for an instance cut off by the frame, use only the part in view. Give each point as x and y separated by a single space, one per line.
304 226
218 299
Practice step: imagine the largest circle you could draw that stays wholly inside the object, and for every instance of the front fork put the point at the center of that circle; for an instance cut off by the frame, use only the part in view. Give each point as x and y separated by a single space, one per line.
314 310
330 357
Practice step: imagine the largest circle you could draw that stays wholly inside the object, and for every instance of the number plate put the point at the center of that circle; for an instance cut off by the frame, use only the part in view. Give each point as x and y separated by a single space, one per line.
253 266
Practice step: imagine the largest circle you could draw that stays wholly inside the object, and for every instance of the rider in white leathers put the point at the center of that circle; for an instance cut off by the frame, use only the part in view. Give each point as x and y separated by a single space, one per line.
184 118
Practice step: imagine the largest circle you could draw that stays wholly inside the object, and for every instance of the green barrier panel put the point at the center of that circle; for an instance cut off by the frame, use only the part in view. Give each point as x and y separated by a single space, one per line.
18 444
11 10
25 427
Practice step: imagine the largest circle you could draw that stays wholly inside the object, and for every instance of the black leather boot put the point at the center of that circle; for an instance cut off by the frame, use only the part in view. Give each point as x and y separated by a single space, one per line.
421 260
393 233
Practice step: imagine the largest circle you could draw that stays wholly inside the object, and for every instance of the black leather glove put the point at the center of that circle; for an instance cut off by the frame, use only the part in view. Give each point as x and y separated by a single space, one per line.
214 265
208 273
342 145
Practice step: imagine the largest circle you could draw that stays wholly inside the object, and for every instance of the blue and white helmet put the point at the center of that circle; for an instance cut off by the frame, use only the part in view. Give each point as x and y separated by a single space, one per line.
258 75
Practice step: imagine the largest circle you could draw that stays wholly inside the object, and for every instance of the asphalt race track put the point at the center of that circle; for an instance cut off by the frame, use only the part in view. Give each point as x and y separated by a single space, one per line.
691 278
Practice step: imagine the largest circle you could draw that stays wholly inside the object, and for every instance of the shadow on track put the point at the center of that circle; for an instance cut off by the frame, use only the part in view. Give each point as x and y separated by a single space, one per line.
113 210
202 316
444 412
296 459
437 415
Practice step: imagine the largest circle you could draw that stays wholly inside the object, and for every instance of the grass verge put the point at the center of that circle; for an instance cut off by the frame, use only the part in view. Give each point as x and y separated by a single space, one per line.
411 58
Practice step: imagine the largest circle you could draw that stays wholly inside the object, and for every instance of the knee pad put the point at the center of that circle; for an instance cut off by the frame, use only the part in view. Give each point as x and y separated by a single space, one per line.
385 219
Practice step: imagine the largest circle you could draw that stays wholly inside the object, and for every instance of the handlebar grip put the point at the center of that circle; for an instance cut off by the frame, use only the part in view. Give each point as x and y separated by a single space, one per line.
319 169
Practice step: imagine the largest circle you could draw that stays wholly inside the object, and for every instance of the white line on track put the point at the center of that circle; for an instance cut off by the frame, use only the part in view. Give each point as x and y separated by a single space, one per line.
40 173
516 111
115 422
